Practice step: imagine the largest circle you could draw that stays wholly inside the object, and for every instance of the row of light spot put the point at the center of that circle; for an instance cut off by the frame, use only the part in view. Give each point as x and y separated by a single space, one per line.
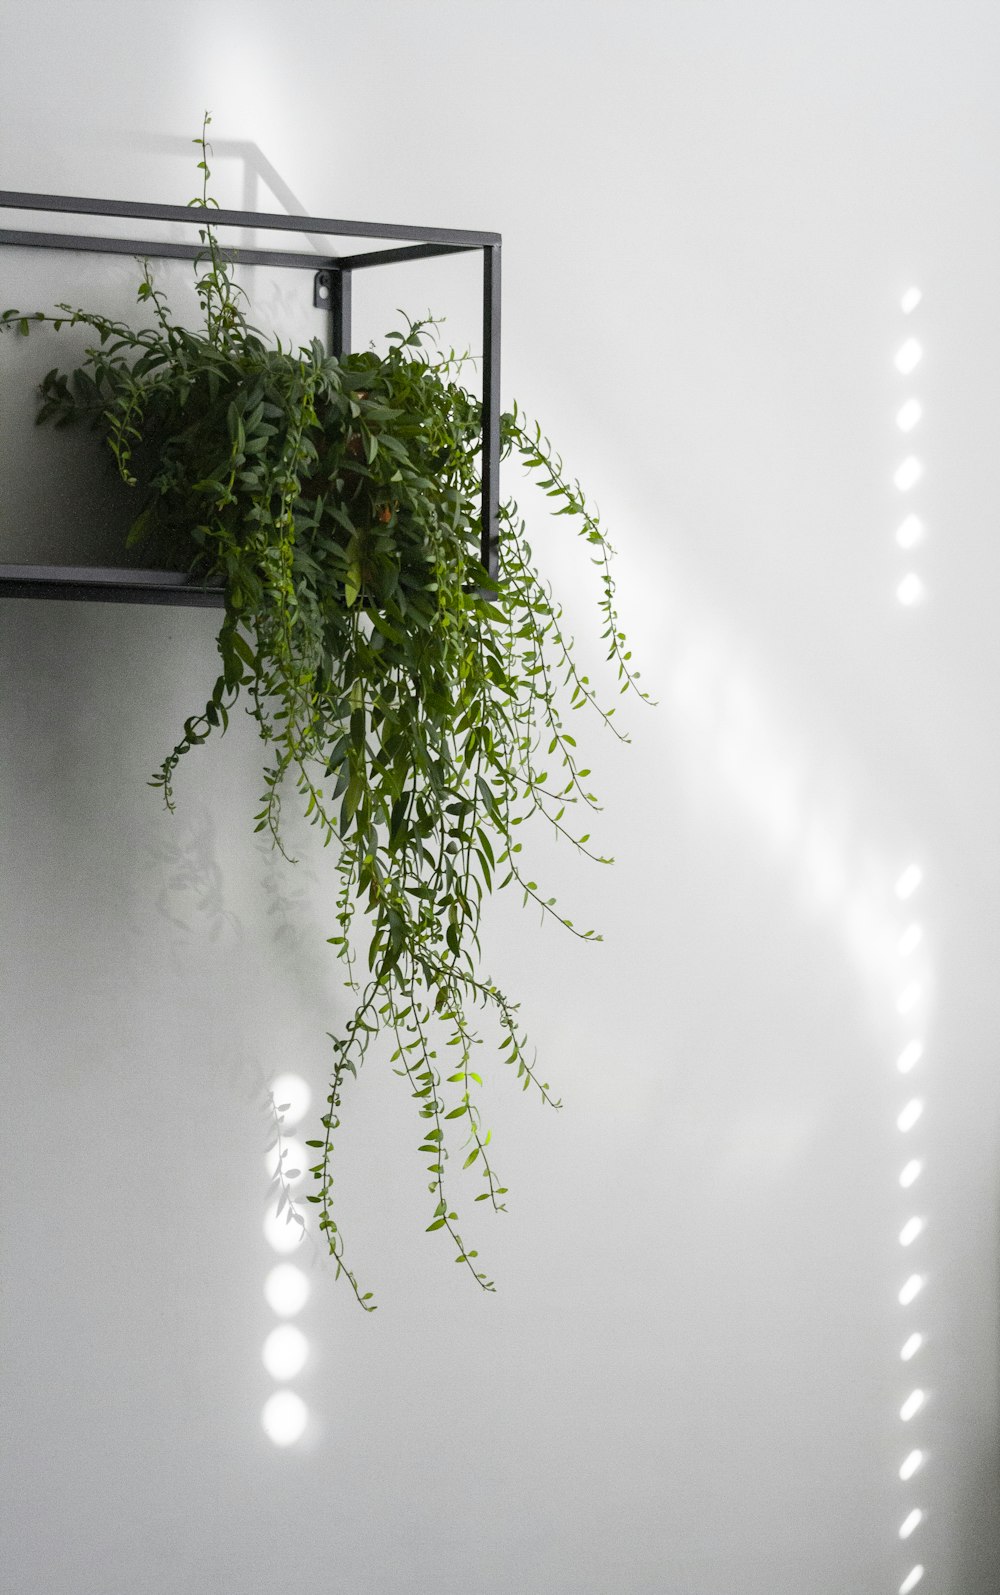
286 1288
910 532
908 1005
910 1000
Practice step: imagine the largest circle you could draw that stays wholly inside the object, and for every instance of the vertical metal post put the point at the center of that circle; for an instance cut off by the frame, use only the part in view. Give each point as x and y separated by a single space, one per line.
491 410
341 307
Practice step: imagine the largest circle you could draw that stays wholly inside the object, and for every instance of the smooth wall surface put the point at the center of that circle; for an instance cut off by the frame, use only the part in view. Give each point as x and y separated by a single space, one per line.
689 1381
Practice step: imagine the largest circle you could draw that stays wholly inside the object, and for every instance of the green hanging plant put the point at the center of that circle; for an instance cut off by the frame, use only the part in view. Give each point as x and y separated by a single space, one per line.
417 706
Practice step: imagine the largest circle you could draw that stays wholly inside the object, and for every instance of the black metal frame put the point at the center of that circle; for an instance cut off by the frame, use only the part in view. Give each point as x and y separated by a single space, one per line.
331 289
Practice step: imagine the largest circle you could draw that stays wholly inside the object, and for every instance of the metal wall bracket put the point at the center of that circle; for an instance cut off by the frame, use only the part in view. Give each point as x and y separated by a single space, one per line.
332 282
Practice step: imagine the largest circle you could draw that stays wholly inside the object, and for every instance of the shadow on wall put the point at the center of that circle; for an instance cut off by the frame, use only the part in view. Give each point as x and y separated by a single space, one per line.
258 177
977 1554
976 1540
187 879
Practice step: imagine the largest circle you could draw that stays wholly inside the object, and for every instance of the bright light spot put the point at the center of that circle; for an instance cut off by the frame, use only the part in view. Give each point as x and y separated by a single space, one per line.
910 1114
912 1405
291 1088
910 590
910 532
911 1054
908 474
908 998
281 1233
910 1173
911 1580
911 938
285 1351
909 881
911 1347
286 1289
911 1290
909 1523
909 415
910 301
294 1162
284 1417
911 1465
908 356
910 1230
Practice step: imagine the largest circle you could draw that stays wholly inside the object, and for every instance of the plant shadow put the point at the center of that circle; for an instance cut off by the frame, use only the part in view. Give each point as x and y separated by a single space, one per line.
188 880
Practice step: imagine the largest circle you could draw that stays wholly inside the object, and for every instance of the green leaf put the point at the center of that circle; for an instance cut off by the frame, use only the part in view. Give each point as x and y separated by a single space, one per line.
246 653
352 798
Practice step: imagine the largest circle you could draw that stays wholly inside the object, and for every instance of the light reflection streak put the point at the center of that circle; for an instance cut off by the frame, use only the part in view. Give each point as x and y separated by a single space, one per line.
779 780
803 816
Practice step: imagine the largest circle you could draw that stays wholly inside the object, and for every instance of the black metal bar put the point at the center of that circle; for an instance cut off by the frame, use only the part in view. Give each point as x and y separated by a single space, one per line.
390 257
340 336
167 587
162 250
491 410
197 215
107 585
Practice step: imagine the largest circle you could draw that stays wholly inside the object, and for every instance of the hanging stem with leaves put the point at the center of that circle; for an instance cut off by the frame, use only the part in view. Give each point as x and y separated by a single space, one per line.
417 706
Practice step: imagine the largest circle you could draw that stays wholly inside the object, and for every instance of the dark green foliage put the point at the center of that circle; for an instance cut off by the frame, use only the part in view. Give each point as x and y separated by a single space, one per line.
417 707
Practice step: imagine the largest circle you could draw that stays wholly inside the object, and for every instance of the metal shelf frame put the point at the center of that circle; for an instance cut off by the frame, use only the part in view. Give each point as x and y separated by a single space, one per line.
332 282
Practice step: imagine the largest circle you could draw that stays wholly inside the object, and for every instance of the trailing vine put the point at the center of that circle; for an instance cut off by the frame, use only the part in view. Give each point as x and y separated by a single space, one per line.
418 707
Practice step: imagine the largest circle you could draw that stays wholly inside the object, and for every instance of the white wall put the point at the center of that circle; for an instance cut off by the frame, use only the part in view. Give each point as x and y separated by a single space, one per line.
689 1379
